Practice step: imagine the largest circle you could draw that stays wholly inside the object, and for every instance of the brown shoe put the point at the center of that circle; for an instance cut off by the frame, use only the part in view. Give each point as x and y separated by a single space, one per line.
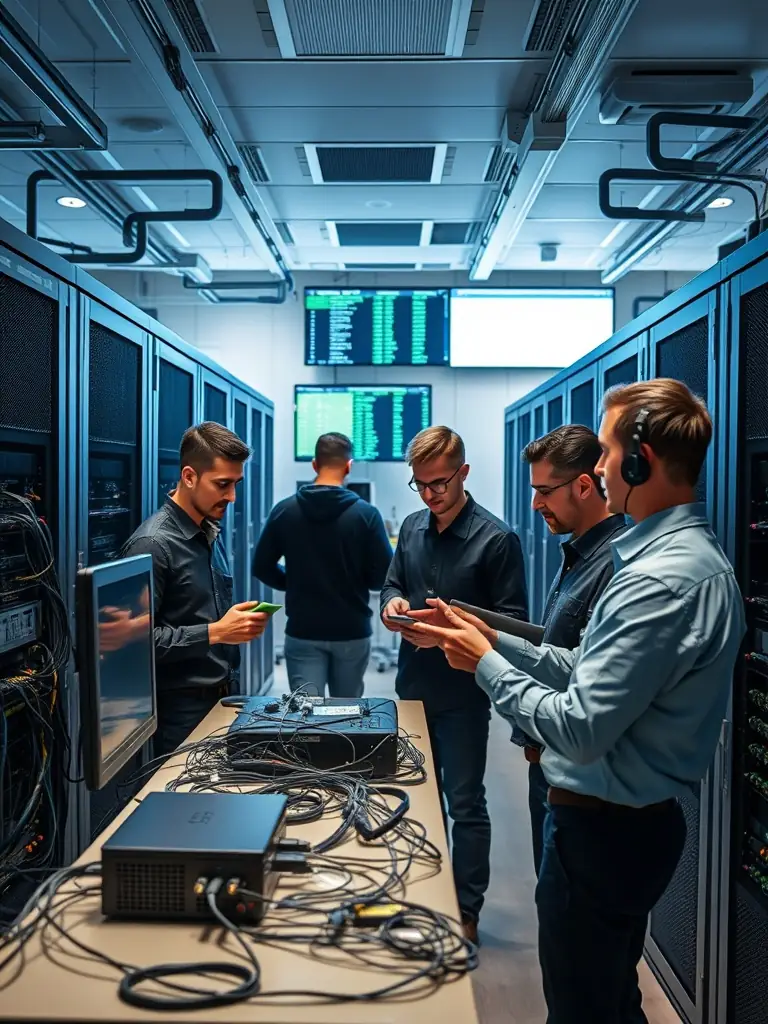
470 931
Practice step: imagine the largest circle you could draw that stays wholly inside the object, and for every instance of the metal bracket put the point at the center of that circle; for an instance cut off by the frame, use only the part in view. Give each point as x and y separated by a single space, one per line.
689 120
134 226
607 178
282 288
82 129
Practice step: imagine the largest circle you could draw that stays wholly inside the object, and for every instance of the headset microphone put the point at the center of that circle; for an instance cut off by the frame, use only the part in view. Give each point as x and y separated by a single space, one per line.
635 467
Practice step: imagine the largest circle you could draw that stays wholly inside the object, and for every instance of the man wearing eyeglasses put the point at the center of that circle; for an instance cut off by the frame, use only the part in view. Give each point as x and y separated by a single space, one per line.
457 550
570 499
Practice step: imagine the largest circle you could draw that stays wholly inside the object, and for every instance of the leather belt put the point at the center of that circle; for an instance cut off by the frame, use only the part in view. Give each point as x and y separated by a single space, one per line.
566 798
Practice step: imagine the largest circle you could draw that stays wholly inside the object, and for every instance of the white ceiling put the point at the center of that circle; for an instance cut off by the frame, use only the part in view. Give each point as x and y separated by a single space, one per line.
284 104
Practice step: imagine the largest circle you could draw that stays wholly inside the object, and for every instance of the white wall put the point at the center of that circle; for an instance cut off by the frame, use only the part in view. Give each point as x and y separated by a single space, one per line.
264 346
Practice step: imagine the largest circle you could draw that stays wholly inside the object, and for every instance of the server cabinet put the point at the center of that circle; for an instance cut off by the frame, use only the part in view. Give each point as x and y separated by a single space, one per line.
255 520
743 948
175 410
624 365
216 403
509 469
537 582
268 494
114 485
35 377
581 397
552 542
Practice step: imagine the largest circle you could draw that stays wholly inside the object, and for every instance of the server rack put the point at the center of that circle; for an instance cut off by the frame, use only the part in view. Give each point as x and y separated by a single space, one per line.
94 397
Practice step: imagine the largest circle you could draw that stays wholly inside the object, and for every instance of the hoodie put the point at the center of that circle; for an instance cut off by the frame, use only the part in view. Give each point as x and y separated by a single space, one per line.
336 551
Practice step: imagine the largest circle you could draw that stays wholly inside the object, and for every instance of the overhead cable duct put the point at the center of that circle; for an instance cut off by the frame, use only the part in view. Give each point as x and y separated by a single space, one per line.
155 41
134 225
737 155
80 128
587 39
211 290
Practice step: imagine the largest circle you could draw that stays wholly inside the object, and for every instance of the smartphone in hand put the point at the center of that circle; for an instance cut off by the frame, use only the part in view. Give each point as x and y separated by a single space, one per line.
266 608
401 620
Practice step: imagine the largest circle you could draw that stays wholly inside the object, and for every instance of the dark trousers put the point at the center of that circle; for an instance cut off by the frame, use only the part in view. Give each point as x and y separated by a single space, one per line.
602 872
178 713
459 740
537 806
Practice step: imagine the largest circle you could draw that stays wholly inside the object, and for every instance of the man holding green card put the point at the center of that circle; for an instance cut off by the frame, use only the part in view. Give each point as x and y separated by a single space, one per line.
197 629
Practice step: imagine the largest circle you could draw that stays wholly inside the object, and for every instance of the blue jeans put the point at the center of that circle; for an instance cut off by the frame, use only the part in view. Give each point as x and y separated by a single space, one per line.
459 741
603 871
338 664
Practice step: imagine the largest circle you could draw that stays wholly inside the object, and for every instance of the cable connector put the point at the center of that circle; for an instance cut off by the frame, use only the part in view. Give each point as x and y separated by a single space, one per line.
214 887
285 844
199 887
233 886
294 863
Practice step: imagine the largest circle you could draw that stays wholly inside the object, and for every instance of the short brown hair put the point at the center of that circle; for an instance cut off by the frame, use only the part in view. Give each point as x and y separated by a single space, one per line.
332 449
432 443
571 450
201 445
678 428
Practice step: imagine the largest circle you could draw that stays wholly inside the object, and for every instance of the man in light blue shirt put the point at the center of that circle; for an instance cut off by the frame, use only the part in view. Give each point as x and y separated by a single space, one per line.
630 719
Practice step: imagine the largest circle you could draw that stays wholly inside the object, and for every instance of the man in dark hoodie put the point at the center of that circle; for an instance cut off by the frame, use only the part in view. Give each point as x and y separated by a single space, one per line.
336 551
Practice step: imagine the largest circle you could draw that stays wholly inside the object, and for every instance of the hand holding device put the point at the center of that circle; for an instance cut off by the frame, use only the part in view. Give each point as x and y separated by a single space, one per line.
397 606
239 625
266 607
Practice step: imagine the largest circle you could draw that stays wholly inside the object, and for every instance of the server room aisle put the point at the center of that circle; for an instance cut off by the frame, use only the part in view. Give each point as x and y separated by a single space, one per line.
507 983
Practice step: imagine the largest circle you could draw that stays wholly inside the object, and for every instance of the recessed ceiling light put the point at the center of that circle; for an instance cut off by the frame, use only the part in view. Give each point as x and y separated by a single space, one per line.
143 125
72 202
720 203
378 204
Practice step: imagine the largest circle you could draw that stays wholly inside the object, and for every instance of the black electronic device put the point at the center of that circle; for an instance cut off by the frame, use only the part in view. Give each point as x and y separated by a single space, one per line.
376 327
505 623
116 663
380 421
159 862
327 732
635 467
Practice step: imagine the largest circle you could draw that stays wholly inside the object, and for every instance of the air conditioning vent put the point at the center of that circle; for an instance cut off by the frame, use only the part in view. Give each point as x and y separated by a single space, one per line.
191 22
455 233
473 25
548 24
632 96
379 266
285 232
364 164
499 164
436 266
252 158
361 28
379 232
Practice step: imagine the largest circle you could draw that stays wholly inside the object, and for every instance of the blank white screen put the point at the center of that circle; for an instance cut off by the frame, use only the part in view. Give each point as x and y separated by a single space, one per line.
534 327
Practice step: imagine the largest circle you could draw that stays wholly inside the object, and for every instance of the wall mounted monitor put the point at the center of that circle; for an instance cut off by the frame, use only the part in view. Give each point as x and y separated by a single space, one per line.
380 421
116 664
527 327
376 327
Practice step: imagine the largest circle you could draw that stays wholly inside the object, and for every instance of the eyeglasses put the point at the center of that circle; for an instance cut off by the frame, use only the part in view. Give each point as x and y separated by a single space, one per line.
436 486
546 491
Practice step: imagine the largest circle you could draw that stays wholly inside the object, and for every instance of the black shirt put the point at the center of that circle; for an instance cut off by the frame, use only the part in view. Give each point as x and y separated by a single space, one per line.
476 559
193 587
586 569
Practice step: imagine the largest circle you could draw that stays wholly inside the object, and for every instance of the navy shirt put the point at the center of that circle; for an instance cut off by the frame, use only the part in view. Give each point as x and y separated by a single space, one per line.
585 570
193 587
476 559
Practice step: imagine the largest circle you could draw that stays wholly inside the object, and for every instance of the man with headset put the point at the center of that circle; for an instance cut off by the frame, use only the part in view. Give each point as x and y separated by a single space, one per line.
630 719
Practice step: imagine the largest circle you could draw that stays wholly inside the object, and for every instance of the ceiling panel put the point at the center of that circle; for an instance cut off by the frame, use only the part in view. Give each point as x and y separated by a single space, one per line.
695 30
339 202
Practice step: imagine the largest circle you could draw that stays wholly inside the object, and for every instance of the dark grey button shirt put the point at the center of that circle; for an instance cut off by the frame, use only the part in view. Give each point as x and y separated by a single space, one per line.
586 569
193 587
477 559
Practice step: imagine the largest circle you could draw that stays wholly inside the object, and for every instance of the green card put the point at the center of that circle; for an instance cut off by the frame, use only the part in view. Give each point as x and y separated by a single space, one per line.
266 607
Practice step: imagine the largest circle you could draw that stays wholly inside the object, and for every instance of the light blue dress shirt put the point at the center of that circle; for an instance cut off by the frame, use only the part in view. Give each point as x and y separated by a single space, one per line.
633 715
